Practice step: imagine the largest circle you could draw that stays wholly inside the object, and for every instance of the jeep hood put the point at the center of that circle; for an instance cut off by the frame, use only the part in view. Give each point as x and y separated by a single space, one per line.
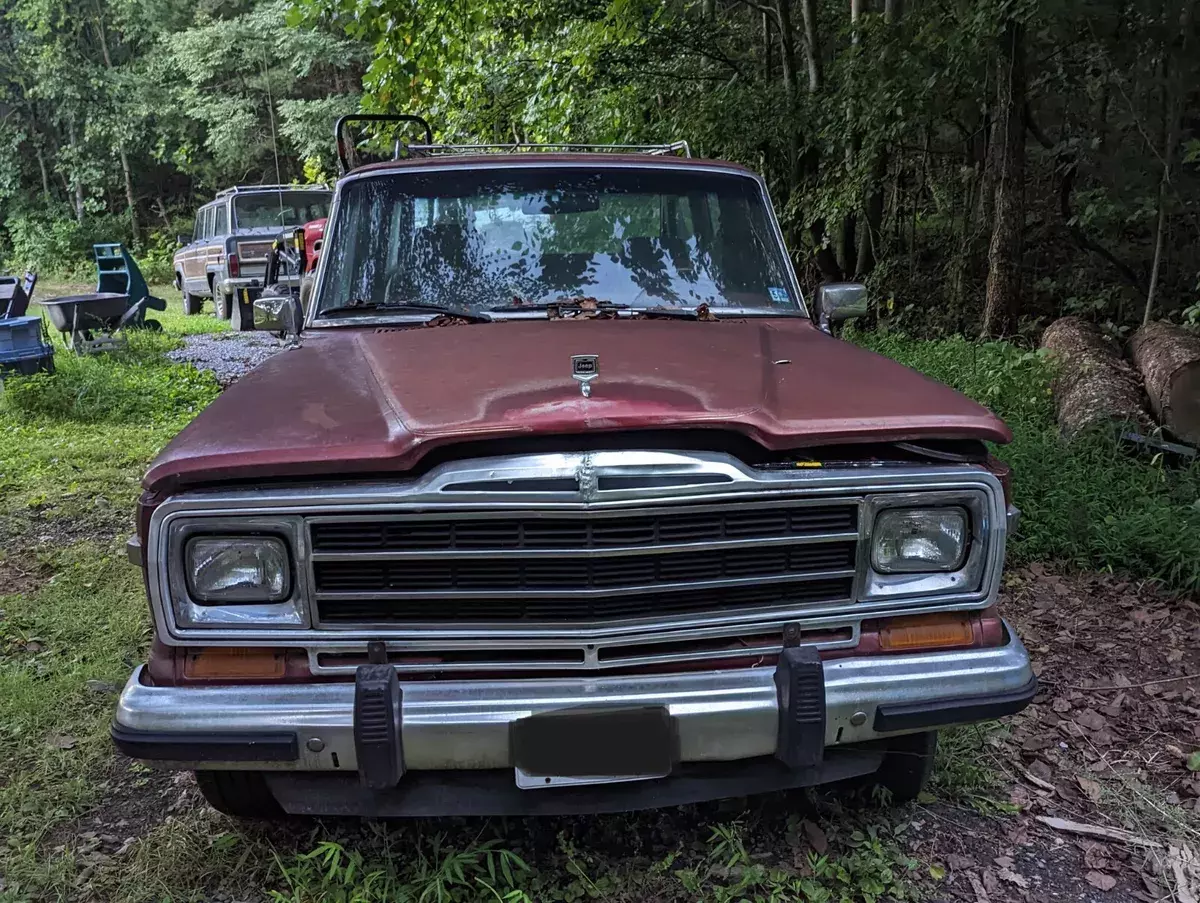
364 400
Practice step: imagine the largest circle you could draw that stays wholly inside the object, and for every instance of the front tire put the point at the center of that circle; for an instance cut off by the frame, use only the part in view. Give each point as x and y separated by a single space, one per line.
907 766
242 794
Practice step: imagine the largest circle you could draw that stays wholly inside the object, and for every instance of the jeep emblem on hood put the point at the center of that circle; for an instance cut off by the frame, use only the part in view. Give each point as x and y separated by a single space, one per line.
585 368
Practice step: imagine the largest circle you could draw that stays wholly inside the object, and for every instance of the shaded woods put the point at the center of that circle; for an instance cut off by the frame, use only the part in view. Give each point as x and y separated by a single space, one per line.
984 166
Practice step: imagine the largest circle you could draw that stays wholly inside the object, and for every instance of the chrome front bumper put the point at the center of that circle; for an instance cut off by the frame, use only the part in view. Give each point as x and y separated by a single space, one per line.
718 715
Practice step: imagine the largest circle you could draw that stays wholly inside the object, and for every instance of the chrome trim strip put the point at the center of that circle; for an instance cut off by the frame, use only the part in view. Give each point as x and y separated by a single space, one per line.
719 715
716 545
427 493
631 590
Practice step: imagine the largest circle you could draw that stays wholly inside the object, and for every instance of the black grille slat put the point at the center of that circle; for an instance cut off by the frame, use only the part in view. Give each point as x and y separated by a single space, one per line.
503 574
568 608
531 532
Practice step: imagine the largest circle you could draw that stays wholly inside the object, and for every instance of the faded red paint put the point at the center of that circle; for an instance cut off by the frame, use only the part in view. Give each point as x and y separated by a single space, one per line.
357 400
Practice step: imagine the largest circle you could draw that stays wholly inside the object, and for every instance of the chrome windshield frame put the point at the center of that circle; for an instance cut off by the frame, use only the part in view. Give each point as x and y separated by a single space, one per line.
515 161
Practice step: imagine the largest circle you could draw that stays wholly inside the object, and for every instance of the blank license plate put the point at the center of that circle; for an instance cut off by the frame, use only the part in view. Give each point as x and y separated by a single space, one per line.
595 744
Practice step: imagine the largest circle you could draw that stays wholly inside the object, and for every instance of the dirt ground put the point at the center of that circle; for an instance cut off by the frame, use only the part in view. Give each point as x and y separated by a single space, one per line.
1105 745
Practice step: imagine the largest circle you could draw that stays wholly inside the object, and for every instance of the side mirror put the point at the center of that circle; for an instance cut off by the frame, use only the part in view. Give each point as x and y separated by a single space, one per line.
838 301
279 314
183 239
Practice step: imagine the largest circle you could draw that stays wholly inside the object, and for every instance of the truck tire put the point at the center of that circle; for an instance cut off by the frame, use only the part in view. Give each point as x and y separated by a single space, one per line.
222 305
242 794
192 303
907 766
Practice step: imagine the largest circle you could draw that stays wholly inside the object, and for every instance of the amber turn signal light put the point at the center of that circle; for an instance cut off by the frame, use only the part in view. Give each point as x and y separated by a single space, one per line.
221 663
925 632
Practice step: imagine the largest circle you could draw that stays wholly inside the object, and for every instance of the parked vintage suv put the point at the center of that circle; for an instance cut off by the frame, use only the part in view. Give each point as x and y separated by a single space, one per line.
628 528
232 237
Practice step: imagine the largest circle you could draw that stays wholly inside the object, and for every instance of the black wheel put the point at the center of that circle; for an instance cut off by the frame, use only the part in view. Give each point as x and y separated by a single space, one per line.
907 766
192 303
242 794
222 305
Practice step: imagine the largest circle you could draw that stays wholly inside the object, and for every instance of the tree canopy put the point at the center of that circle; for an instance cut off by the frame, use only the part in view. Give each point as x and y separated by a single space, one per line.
980 164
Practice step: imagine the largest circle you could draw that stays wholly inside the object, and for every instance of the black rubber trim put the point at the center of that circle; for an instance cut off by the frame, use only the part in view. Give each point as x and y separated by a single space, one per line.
206 747
961 710
494 792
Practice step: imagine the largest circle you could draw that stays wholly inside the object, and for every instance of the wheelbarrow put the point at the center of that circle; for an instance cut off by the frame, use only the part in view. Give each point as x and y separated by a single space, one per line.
91 323
117 272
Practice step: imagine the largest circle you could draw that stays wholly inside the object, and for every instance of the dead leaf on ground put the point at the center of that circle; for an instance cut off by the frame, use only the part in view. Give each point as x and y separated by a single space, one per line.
816 837
1100 881
1014 878
1091 719
1091 789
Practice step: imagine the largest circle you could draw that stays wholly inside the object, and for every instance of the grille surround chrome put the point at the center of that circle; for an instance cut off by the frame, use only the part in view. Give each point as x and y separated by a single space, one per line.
436 492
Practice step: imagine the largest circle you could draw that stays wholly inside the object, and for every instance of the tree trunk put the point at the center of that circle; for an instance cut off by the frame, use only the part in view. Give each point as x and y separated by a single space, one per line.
76 183
870 236
787 53
129 196
1173 91
1168 357
41 158
1094 386
808 9
849 240
1002 302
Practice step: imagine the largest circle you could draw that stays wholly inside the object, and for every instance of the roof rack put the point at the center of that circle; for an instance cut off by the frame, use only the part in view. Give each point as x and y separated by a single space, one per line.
236 189
675 148
387 133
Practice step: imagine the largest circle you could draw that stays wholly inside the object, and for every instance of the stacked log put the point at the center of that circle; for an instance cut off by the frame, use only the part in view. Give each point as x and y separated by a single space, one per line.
1168 357
1094 386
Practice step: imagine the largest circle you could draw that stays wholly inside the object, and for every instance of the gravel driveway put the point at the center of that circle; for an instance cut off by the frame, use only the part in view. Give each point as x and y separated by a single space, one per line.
229 355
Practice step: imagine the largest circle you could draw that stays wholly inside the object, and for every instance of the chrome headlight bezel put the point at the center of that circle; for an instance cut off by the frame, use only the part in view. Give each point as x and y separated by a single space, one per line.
967 577
191 611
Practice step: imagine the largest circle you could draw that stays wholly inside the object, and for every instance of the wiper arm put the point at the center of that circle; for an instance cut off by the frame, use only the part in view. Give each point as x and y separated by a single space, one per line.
413 307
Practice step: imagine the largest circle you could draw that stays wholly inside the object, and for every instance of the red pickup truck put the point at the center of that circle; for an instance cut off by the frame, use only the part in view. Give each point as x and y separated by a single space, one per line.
566 500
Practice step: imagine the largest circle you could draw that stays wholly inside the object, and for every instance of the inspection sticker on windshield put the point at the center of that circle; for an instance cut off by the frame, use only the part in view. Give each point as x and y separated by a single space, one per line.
778 295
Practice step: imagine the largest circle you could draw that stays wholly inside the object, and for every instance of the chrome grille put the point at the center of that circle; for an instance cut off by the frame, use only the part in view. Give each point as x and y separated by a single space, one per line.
582 608
582 566
531 532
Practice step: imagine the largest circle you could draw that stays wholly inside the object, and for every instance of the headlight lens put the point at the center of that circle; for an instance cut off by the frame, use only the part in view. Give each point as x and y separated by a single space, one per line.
911 540
246 569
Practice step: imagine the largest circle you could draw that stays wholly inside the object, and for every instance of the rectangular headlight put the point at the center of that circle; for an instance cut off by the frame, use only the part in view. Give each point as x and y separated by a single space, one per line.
915 540
237 569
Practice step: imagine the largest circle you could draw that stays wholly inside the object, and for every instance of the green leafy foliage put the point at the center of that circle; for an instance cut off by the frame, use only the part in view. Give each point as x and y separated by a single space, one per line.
437 873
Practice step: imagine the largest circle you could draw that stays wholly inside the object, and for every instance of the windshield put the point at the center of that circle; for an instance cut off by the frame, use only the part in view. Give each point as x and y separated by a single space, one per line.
502 238
279 208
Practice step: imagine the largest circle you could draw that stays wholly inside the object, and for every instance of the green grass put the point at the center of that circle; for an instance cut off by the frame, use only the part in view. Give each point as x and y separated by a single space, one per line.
1091 503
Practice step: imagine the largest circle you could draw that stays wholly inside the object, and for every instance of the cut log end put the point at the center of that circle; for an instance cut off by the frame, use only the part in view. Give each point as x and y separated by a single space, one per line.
1094 387
1168 357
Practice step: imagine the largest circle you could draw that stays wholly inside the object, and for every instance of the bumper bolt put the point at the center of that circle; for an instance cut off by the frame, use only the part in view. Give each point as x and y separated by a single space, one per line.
315 744
858 719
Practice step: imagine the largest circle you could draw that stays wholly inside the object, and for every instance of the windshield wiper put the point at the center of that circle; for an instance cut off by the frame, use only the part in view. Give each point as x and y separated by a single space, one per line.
412 307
